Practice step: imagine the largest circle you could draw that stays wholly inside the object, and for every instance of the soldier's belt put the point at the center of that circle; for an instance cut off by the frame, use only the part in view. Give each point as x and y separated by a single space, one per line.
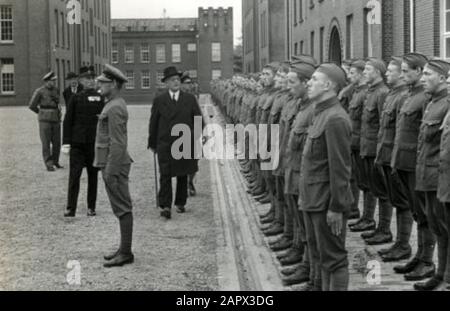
48 107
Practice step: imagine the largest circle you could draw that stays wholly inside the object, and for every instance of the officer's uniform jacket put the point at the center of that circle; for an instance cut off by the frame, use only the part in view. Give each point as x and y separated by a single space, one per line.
429 142
444 162
386 136
81 119
111 141
45 102
370 126
409 119
326 165
355 111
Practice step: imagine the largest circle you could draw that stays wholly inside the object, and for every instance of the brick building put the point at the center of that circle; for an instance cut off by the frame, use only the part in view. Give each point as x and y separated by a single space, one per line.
35 37
142 48
264 33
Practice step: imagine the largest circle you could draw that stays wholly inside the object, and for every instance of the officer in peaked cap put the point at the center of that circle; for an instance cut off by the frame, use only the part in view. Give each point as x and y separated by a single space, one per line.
45 102
79 132
112 157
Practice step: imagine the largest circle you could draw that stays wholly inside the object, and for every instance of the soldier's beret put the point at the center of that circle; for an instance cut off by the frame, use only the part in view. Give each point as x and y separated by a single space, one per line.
111 74
415 60
304 58
303 70
358 64
50 76
396 61
440 66
377 64
334 73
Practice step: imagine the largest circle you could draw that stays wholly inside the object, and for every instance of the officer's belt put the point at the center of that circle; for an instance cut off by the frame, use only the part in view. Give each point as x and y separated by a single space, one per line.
48 107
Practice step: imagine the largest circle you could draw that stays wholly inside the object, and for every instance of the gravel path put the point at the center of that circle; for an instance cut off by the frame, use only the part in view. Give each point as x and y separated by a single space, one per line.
36 242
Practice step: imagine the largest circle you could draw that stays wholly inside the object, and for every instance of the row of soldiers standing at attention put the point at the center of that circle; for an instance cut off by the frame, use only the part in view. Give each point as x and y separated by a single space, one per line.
367 127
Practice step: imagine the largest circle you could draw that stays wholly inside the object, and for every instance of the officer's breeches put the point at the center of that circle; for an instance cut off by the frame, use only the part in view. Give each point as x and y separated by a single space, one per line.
119 193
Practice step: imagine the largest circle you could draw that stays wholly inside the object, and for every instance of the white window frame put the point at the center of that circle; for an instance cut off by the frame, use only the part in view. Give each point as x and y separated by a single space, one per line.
130 85
161 54
216 47
7 69
216 74
445 35
11 20
145 76
129 54
192 47
115 54
145 51
176 53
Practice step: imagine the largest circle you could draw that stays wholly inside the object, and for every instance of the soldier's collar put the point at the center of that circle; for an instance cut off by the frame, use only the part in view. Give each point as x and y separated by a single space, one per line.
416 87
439 95
324 105
399 87
376 85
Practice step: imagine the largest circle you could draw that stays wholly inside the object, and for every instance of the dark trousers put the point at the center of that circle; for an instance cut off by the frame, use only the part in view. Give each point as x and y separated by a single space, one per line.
82 156
50 134
165 193
328 250
447 221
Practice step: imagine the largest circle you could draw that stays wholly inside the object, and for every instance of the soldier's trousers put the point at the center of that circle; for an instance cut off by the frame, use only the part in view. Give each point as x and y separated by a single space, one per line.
281 202
398 196
447 221
328 250
82 156
369 201
374 176
355 182
436 215
425 239
165 195
298 225
50 134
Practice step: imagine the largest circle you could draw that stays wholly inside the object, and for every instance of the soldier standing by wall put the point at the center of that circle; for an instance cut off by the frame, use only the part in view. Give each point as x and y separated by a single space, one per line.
45 103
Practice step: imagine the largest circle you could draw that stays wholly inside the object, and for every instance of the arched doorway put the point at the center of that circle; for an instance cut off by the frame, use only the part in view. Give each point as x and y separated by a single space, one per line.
335 51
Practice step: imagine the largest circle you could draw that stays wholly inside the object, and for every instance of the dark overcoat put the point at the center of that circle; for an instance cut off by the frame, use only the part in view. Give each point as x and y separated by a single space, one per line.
165 115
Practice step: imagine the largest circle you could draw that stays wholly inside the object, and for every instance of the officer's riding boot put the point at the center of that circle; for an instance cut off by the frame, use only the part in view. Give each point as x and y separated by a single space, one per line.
425 268
383 234
401 249
124 255
339 280
367 222
354 212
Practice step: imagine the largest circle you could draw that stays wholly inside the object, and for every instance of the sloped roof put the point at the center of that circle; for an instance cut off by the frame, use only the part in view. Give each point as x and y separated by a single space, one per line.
154 24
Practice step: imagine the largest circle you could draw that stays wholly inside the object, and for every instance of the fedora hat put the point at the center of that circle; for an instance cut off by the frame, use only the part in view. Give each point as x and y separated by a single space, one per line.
170 72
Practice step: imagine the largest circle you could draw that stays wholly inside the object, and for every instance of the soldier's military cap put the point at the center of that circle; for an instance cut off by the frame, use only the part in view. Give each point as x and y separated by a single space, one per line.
334 73
274 66
348 62
185 78
304 58
71 75
87 72
50 76
415 60
397 61
111 74
439 66
303 70
358 64
378 64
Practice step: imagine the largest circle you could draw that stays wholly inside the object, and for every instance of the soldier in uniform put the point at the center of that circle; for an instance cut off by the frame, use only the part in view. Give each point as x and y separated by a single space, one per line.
325 194
373 108
111 156
74 87
404 160
79 131
434 79
346 94
45 103
397 196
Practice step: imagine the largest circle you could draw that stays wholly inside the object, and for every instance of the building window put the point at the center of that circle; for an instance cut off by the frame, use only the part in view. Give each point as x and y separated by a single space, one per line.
63 31
192 47
129 54
145 80
159 77
7 76
145 53
161 53
349 40
296 48
312 42
216 74
216 52
115 54
130 77
264 29
302 47
446 30
193 74
176 53
322 43
56 27
6 24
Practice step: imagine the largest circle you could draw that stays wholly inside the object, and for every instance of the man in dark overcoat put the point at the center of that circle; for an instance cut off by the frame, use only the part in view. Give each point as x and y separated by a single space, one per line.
171 111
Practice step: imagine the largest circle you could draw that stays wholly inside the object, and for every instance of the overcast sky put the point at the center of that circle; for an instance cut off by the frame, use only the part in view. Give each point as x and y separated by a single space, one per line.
174 8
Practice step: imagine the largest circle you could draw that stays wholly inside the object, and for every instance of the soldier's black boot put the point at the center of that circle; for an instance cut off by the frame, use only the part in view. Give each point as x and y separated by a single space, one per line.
301 275
364 225
274 230
289 270
429 285
125 256
380 238
398 253
112 255
282 245
292 258
408 267
91 212
70 213
422 271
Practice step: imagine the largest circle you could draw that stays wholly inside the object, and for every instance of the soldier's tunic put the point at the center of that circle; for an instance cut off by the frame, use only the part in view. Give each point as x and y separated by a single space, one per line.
325 184
444 181
404 159
80 124
346 96
111 155
45 102
427 174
